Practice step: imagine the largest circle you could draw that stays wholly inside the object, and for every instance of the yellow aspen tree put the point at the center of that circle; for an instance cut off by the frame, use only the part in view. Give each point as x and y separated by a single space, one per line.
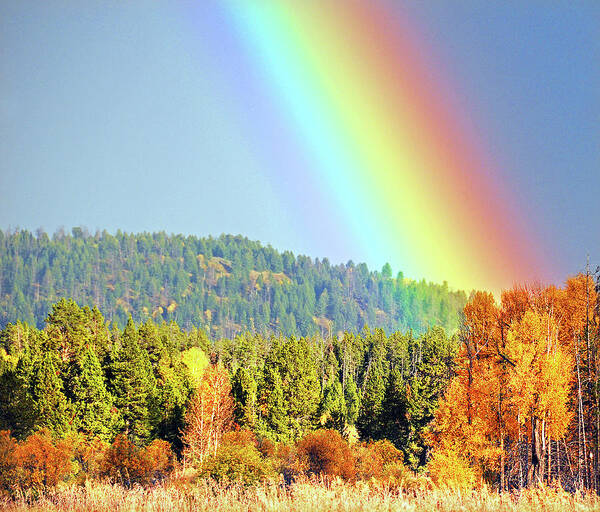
579 334
467 419
512 386
539 379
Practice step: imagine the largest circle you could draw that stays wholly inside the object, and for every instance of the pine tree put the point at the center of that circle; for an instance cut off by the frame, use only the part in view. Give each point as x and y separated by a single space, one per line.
352 398
67 329
323 303
151 342
17 409
276 413
53 410
133 386
298 371
91 400
386 271
333 413
394 410
244 392
99 335
172 393
373 394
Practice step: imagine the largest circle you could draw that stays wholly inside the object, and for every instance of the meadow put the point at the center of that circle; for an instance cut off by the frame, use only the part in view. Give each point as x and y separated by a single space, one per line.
304 495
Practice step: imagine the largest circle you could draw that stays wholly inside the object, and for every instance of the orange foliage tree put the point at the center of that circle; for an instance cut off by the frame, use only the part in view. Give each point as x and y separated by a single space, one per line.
35 464
539 384
470 418
526 372
579 325
127 464
326 453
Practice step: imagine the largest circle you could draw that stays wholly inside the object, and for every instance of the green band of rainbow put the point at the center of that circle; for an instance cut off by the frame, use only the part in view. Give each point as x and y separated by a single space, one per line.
384 141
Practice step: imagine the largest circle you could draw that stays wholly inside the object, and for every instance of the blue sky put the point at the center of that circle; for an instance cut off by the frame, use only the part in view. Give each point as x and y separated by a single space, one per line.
123 116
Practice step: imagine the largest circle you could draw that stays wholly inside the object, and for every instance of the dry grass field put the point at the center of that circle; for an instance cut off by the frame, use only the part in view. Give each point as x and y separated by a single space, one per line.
303 496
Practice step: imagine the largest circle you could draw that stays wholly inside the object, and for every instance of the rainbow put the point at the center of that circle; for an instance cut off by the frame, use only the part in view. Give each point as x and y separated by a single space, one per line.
384 141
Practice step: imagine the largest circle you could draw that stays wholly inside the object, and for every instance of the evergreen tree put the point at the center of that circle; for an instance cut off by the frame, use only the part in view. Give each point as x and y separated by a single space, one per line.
172 393
334 412
373 394
244 393
17 409
67 329
386 271
323 303
241 283
352 399
133 386
276 414
298 372
151 342
395 415
91 400
53 410
99 335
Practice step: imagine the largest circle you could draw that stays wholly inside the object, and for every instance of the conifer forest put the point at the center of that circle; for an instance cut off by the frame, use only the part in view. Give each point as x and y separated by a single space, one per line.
226 285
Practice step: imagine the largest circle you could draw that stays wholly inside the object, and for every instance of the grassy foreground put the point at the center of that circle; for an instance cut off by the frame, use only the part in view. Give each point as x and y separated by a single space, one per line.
303 496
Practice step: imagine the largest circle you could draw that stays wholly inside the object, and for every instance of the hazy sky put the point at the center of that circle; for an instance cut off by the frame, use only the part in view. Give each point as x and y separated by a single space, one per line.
125 116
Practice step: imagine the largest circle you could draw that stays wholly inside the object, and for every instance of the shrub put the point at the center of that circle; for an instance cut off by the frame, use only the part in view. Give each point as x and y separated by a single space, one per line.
284 461
8 447
325 452
398 476
368 462
160 459
124 462
387 451
448 469
237 459
266 447
373 458
41 462
89 455
121 461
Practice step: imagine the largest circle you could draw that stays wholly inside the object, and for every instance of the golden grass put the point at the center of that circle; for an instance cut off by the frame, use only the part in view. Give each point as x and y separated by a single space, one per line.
303 496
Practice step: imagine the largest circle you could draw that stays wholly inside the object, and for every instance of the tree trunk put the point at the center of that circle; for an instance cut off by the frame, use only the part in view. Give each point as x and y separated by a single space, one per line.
536 470
501 463
549 450
520 453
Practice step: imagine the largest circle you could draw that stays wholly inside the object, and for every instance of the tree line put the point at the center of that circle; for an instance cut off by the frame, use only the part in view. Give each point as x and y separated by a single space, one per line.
78 375
225 285
512 400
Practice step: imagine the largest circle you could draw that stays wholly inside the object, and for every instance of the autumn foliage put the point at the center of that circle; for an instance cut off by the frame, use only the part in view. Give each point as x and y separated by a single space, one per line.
209 415
519 407
238 460
514 413
34 464
325 452
127 464
449 470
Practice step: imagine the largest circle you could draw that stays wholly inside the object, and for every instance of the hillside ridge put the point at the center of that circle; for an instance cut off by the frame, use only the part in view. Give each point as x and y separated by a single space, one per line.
226 285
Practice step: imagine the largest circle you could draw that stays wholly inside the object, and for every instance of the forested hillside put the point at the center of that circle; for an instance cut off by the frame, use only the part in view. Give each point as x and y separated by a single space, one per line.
224 285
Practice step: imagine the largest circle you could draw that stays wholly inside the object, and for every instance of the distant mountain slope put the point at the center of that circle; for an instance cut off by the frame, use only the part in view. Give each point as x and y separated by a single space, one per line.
225 285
